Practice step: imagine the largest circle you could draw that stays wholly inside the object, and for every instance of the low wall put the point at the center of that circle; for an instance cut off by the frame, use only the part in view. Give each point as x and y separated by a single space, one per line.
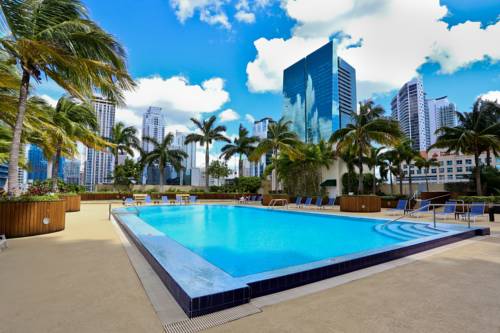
20 219
360 203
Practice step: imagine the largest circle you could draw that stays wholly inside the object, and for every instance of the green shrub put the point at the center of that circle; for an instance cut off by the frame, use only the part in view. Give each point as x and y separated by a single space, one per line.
29 198
488 199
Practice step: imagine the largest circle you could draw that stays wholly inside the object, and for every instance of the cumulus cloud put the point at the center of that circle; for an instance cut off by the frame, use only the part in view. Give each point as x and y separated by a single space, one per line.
493 96
245 17
178 98
228 115
249 118
385 40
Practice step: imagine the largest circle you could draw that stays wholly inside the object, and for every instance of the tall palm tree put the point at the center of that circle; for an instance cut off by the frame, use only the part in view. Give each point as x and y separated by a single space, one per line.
424 164
243 145
208 134
279 138
474 135
374 159
392 167
349 158
163 155
57 39
366 127
408 155
124 140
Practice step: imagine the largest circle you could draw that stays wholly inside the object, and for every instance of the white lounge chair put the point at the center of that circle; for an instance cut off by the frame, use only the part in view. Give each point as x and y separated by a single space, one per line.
3 242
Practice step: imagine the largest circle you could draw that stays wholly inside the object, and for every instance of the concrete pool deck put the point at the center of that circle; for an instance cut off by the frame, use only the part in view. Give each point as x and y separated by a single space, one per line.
81 280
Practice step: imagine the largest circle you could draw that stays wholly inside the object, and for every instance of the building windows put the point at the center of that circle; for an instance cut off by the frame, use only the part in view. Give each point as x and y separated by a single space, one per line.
441 170
468 161
441 163
449 170
433 170
459 169
450 177
449 162
468 169
459 162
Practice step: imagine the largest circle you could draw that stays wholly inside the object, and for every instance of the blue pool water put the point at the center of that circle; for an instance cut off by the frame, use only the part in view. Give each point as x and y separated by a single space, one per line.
243 241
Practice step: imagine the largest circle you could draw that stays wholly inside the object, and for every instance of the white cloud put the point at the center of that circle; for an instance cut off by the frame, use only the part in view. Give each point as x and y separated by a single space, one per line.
249 118
385 40
228 115
493 96
245 17
52 102
178 98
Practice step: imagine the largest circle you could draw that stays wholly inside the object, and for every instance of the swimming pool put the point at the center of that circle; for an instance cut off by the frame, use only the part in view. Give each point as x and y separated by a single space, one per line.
215 256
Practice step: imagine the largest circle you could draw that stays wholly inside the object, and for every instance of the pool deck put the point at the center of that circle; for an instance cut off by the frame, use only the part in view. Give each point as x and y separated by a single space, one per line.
81 280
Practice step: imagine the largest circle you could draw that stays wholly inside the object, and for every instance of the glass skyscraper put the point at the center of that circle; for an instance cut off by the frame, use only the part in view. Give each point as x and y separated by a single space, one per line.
37 164
319 94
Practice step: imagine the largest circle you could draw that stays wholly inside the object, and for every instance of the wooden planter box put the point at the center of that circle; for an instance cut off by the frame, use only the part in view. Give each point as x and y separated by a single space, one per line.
20 219
360 203
72 202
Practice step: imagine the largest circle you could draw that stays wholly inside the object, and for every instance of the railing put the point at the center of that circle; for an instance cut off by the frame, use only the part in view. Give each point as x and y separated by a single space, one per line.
273 202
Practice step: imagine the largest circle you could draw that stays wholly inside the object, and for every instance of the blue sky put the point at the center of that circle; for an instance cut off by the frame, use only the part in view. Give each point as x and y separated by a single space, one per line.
182 44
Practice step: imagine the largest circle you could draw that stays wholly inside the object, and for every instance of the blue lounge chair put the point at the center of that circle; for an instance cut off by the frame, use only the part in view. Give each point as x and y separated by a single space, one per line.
424 208
178 199
476 210
129 202
147 199
164 199
319 202
330 203
400 208
192 199
259 198
298 201
252 198
308 202
449 210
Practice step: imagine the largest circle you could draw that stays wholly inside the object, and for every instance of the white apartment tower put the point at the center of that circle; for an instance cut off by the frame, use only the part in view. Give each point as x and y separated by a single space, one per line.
260 128
410 109
99 164
153 126
441 113
190 149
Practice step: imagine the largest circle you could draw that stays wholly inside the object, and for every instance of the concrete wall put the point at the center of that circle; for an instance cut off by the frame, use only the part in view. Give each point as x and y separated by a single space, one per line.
386 188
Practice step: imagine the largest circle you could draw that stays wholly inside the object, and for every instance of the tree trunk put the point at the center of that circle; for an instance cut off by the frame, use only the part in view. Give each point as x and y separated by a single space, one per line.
273 174
477 174
401 175
348 181
55 169
207 161
50 163
390 180
162 177
361 186
374 182
13 188
240 167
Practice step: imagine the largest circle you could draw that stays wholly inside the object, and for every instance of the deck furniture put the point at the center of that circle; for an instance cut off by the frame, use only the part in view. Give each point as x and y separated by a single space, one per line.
449 210
278 202
319 202
298 201
147 199
129 202
140 198
330 203
307 203
3 242
192 199
424 208
400 208
476 210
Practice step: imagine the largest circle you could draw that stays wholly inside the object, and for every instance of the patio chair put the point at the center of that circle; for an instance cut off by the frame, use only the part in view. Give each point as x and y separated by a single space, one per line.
3 242
319 202
298 201
448 211
307 203
164 199
253 197
178 199
129 202
259 198
399 209
147 199
330 203
192 199
476 210
424 208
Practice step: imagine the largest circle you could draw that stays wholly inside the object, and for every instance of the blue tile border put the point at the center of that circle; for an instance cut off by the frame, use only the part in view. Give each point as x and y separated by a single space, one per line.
229 292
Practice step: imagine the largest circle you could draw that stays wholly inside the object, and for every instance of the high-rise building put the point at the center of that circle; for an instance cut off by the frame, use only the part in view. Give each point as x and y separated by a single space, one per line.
37 164
190 149
153 126
99 164
260 130
4 175
319 94
410 109
441 113
72 171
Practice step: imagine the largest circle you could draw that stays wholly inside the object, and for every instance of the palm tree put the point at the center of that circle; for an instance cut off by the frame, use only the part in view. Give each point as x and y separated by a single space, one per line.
474 135
392 166
124 140
408 155
163 155
366 127
56 39
372 161
424 164
279 138
242 145
208 134
349 158
74 122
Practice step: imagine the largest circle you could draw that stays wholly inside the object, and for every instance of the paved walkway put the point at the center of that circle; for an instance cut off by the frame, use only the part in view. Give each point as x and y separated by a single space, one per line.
80 280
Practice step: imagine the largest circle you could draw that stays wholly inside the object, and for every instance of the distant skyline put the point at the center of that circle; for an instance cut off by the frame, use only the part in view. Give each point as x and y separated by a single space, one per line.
225 57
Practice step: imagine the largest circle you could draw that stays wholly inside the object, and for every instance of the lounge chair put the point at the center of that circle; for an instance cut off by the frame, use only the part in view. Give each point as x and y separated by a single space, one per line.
330 203
424 208
129 202
319 202
307 203
147 199
449 210
192 199
399 209
164 199
476 210
298 201
259 198
3 242
179 200
252 198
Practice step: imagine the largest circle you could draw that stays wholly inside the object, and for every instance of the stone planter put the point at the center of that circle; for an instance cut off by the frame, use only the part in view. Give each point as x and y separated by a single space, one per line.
20 219
360 203
72 202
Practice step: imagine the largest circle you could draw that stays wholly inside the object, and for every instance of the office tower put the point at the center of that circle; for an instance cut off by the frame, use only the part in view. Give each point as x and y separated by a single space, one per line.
4 175
72 171
153 126
190 149
319 94
410 109
38 165
99 164
441 113
260 130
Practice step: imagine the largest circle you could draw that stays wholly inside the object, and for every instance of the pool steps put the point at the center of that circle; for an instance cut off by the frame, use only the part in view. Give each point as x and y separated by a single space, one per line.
407 231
